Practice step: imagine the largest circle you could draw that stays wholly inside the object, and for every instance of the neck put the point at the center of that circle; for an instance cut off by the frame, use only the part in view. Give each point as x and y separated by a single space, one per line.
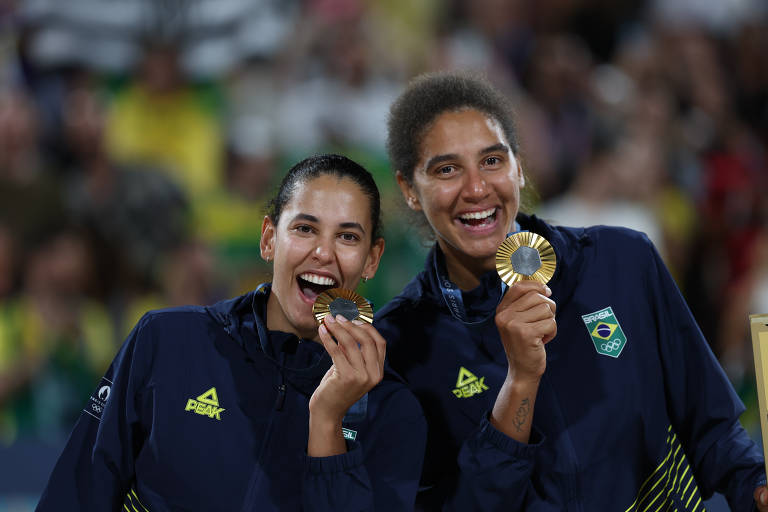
277 321
463 270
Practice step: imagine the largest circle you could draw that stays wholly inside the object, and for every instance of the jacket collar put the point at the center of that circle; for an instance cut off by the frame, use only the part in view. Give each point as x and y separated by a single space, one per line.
244 319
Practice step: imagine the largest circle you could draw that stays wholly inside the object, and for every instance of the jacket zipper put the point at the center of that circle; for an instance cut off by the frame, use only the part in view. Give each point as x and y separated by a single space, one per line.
280 400
250 496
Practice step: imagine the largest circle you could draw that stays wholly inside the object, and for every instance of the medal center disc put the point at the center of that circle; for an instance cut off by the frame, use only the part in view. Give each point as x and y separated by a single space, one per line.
343 307
525 260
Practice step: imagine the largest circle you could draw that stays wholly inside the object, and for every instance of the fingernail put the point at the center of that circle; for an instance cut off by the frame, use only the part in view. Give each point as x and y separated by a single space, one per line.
329 319
341 318
357 322
322 329
546 288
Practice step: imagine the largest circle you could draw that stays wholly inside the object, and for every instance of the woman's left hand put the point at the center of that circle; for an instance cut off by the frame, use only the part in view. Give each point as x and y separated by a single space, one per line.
358 365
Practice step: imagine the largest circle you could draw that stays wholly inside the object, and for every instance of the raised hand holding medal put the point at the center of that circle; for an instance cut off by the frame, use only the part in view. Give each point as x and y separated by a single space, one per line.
525 316
356 349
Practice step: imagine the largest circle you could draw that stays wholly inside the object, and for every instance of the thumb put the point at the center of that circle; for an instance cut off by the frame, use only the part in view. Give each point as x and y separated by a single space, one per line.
761 496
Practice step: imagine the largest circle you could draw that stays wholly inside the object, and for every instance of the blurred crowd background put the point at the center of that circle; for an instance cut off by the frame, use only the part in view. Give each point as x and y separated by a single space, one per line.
140 140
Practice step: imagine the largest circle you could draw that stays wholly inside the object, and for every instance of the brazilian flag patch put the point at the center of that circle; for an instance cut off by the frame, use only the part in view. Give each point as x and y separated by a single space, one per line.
606 332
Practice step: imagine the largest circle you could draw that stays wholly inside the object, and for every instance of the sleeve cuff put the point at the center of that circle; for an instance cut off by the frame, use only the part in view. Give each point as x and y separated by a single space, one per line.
508 445
336 463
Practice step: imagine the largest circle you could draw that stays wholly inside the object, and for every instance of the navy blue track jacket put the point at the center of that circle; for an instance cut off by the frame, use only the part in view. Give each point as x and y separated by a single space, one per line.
204 409
633 412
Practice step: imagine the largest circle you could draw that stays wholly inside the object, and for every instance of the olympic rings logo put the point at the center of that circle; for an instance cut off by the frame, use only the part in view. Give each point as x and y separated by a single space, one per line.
610 346
96 408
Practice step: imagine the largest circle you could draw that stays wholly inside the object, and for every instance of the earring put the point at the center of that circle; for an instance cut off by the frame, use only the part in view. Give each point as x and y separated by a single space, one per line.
365 279
410 201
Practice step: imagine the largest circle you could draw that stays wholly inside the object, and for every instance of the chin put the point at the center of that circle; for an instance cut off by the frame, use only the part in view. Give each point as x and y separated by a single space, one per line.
483 251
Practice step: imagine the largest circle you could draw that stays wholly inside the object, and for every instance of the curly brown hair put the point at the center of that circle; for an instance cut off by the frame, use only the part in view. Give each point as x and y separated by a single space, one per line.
429 95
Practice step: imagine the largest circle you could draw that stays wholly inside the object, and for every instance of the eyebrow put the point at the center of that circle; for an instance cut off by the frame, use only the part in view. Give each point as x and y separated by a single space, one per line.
452 156
496 147
352 225
312 218
305 216
441 158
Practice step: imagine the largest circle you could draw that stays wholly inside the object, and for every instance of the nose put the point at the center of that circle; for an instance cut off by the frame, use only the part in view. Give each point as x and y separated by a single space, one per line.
323 251
475 187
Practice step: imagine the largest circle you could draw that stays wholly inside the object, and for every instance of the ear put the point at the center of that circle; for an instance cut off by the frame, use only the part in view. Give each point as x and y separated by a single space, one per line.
373 258
409 192
267 242
520 175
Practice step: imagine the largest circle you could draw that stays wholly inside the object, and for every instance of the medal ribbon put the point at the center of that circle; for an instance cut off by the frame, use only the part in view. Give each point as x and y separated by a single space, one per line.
452 294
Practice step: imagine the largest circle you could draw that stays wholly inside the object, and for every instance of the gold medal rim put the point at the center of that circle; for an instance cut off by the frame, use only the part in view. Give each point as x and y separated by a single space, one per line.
525 239
322 306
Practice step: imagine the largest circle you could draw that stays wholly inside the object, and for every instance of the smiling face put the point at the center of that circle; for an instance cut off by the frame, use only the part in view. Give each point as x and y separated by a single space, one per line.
322 241
467 182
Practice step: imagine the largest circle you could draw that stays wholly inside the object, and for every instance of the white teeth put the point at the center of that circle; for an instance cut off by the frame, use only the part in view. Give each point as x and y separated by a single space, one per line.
316 279
477 215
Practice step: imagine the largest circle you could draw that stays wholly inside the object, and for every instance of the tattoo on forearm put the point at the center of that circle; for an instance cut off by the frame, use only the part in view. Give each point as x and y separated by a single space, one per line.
521 416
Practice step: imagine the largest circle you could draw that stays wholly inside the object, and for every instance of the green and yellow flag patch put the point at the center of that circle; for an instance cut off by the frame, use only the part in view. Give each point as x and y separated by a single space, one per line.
606 333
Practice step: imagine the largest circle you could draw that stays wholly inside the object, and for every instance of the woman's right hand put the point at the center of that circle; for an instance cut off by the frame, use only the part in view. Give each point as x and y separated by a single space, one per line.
358 365
525 318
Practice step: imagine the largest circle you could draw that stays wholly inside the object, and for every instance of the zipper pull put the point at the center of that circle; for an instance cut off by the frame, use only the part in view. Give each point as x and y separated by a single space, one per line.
280 397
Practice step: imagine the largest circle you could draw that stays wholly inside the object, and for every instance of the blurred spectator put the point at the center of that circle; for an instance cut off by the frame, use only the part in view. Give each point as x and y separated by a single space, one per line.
251 141
338 88
20 157
730 241
163 121
55 341
747 50
133 213
558 79
404 32
186 275
30 197
747 296
614 186
498 45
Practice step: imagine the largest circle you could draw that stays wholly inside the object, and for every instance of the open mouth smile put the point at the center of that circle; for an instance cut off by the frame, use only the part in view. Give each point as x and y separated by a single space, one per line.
478 220
311 285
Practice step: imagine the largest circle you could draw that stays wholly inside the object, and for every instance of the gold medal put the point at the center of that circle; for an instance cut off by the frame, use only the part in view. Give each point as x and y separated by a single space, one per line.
340 301
525 256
